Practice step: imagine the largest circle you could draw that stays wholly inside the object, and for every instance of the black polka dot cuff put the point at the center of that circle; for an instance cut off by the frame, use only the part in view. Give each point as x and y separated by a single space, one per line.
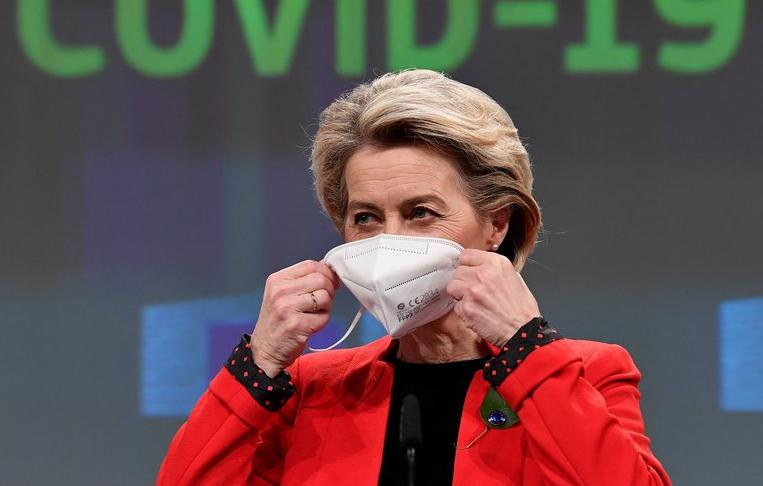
269 392
527 339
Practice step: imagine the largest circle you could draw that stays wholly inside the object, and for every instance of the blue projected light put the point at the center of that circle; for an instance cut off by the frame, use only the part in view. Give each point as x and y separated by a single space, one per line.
741 342
185 343
175 348
369 329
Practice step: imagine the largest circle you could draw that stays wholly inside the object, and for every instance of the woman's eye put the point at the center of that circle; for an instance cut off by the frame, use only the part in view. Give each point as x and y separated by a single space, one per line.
363 218
421 212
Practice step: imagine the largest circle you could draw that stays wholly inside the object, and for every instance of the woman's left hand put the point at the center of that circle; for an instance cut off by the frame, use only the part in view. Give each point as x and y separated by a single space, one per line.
491 297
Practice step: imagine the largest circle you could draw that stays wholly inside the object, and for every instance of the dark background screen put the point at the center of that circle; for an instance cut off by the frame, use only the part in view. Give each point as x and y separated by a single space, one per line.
153 172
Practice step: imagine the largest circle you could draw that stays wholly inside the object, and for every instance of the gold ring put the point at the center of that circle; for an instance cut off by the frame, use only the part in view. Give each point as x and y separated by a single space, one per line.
315 302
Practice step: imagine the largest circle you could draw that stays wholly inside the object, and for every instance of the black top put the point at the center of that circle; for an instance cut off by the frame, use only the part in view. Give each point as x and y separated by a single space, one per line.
441 390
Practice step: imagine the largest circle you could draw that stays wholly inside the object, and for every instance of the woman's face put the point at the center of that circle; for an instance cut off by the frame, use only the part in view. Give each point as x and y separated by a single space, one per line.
409 190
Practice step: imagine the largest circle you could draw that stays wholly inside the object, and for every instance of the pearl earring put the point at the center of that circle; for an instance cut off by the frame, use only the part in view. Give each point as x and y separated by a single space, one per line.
494 247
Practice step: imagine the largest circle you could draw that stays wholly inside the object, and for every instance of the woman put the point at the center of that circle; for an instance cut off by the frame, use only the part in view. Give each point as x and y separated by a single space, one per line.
504 398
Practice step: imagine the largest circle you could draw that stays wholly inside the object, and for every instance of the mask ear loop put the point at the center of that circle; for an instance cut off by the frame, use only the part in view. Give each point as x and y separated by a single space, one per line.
352 326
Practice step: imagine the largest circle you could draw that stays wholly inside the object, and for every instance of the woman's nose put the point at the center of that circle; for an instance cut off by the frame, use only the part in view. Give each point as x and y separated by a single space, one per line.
397 226
392 226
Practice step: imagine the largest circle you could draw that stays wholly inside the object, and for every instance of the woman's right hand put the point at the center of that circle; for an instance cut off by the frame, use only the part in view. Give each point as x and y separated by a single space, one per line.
289 315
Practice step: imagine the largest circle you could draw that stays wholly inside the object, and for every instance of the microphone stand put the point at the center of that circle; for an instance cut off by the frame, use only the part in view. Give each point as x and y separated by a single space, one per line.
410 454
410 433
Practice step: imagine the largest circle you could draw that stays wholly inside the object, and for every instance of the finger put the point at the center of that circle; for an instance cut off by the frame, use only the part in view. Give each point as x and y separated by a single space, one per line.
315 321
473 257
458 308
314 281
462 310
465 273
328 272
323 300
318 300
457 288
302 323
300 269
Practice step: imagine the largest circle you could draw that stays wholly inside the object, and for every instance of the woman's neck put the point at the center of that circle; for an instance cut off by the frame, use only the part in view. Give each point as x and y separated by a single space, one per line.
441 341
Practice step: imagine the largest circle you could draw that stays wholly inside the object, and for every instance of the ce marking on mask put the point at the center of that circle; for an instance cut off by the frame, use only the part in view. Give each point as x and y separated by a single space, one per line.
416 304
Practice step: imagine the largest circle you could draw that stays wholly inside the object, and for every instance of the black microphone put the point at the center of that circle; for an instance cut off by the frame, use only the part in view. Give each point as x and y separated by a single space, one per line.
410 433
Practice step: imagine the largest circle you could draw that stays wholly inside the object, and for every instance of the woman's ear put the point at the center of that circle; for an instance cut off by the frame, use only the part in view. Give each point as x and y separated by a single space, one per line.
499 225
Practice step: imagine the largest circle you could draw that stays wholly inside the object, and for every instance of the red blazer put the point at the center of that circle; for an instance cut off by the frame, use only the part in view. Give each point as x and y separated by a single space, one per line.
577 402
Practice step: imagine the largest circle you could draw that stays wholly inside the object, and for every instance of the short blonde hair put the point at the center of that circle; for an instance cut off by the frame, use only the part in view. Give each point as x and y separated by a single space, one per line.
426 107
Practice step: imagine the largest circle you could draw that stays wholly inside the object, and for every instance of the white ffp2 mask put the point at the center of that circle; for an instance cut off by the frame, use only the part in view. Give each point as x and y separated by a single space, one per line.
401 280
